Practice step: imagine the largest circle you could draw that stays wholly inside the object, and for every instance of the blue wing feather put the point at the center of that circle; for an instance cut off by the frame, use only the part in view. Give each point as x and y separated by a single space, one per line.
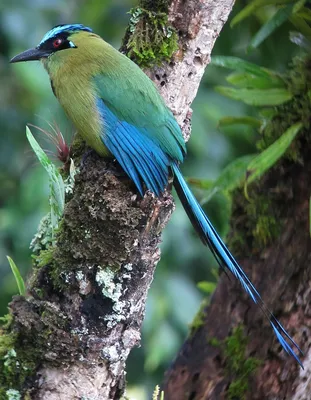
124 160
142 159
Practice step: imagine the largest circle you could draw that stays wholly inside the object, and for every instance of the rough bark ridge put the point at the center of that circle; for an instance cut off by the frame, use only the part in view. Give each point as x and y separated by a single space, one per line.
74 331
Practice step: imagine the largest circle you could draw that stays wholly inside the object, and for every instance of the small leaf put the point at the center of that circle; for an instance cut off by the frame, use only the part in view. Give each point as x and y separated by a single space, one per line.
305 13
206 287
231 177
57 187
301 25
233 174
254 6
250 121
270 26
200 183
239 64
247 80
299 5
18 277
256 97
301 41
265 160
268 113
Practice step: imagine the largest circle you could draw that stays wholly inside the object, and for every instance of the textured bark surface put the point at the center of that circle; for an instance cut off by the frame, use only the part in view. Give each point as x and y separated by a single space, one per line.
281 273
198 23
85 308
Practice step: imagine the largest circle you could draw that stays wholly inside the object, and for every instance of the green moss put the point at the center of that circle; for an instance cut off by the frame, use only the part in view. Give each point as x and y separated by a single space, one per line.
59 277
6 343
14 366
199 318
77 148
150 39
265 226
258 219
265 231
21 353
238 366
6 321
45 257
155 5
214 342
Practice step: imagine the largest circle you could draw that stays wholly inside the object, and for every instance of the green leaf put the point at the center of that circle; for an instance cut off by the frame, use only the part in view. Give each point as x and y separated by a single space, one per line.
251 121
301 41
57 187
200 183
247 80
265 160
268 113
254 6
310 216
231 177
239 64
299 5
206 287
233 174
304 13
270 26
18 277
256 97
301 25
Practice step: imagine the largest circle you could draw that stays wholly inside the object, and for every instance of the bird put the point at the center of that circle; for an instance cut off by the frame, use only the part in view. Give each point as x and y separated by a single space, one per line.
119 113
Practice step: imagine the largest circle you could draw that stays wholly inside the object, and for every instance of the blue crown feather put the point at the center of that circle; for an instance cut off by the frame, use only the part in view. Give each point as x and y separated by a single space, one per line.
64 28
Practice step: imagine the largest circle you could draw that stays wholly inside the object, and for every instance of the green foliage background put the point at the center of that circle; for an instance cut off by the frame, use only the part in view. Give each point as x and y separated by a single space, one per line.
26 98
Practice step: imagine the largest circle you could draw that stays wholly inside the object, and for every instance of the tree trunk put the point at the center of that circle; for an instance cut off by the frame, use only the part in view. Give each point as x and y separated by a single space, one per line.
231 352
70 336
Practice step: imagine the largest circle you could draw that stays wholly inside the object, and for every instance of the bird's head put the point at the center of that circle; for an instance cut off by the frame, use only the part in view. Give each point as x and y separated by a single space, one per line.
59 41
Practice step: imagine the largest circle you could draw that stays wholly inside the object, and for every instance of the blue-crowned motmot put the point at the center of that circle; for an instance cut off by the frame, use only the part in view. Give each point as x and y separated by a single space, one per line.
119 113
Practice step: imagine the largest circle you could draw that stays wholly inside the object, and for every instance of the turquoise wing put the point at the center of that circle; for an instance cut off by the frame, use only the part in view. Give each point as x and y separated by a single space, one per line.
138 129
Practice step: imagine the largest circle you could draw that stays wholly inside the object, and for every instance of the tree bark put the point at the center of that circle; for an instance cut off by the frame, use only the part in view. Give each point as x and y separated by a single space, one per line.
281 273
84 308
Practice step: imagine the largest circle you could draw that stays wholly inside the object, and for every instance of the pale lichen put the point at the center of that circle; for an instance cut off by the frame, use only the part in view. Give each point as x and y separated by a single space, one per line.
13 394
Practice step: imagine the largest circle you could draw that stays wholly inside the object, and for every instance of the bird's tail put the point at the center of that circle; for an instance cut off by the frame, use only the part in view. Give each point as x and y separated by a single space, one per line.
210 237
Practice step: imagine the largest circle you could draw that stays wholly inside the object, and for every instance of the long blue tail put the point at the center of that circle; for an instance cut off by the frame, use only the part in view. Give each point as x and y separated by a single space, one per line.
210 237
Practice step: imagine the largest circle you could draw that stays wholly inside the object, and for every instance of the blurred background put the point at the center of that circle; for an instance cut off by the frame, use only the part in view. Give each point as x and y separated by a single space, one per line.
26 97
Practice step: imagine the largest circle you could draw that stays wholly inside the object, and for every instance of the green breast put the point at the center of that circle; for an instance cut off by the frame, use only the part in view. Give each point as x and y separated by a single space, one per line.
80 107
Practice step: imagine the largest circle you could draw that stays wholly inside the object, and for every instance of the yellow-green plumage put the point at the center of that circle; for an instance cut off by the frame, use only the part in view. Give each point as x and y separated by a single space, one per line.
112 77
118 111
81 107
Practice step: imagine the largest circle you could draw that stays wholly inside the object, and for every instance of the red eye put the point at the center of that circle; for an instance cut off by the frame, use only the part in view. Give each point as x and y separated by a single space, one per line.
57 43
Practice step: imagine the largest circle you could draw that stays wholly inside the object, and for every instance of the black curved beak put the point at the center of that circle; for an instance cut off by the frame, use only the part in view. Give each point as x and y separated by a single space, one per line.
30 55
